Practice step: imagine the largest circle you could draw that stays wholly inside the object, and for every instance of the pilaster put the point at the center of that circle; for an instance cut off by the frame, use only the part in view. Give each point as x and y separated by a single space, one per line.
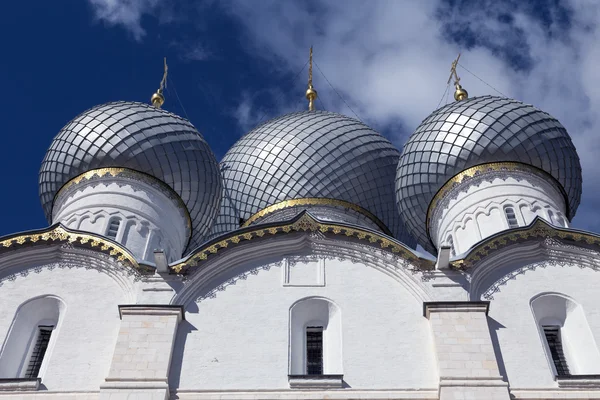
466 360
142 356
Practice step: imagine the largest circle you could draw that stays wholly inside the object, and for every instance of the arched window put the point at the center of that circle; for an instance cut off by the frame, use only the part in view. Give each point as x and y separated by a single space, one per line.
25 351
113 228
566 337
315 338
551 217
556 219
450 242
511 217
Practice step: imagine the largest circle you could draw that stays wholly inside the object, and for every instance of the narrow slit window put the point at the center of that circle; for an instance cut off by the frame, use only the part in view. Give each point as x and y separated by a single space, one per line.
450 241
511 217
551 217
39 350
113 228
553 338
314 350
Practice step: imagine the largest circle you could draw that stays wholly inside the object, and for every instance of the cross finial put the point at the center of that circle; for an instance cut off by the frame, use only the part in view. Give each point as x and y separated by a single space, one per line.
158 98
311 93
459 93
453 71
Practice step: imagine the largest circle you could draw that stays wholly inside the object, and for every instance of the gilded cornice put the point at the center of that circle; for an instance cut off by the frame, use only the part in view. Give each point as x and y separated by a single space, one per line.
59 234
477 170
316 201
131 174
303 223
538 229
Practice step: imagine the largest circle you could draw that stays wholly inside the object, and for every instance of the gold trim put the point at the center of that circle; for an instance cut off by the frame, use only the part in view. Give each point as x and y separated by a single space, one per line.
539 229
60 234
304 223
115 172
316 201
482 168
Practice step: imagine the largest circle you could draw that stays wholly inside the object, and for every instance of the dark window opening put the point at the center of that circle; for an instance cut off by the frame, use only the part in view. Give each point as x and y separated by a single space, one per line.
314 350
242 221
39 350
451 244
113 229
511 217
556 349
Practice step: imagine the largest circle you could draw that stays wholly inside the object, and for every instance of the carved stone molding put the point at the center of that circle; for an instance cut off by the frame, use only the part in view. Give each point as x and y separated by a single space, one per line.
59 234
538 229
559 255
302 223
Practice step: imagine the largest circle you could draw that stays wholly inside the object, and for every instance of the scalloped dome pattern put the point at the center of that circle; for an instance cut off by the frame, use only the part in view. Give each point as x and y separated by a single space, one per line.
475 131
310 154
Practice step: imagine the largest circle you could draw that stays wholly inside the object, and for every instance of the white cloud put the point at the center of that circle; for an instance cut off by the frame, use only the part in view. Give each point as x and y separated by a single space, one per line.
391 59
125 13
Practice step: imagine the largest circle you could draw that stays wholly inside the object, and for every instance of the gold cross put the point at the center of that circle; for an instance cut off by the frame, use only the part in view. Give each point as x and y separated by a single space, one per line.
163 82
453 71
310 68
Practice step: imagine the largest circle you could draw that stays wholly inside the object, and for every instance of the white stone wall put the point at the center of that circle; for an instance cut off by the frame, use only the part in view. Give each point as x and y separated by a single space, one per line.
476 209
238 337
512 322
148 218
82 345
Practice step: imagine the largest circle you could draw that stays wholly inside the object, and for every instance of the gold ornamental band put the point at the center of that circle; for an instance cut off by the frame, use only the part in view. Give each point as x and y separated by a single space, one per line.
316 201
483 168
115 172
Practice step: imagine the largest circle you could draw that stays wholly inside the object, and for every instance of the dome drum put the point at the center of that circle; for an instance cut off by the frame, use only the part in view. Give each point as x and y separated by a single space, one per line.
486 199
131 208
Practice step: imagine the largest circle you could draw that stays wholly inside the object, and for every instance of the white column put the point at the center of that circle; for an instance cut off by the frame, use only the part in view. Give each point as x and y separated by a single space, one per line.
142 356
467 364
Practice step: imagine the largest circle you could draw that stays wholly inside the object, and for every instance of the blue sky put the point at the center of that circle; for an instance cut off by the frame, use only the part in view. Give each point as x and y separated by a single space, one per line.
234 63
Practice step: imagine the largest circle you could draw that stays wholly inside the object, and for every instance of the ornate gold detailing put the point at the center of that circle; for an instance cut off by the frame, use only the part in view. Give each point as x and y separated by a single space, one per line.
305 223
539 229
459 93
311 93
126 172
316 201
479 169
60 234
158 99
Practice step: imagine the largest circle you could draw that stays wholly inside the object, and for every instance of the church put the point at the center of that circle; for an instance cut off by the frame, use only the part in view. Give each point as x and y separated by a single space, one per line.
290 269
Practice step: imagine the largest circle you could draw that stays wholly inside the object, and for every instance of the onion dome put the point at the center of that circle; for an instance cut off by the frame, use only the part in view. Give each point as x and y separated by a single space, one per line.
476 131
308 155
143 138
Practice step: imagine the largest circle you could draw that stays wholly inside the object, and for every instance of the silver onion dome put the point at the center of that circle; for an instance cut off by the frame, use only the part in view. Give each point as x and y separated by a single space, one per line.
475 131
142 138
310 154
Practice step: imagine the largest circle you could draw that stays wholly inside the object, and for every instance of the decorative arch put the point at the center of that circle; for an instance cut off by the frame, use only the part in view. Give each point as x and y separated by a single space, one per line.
216 274
17 354
315 313
565 319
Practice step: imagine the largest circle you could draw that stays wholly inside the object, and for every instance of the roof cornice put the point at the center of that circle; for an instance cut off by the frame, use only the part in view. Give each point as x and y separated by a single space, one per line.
59 234
303 222
537 229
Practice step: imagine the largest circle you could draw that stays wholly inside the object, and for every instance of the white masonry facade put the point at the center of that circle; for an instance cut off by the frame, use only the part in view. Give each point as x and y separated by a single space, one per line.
289 270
